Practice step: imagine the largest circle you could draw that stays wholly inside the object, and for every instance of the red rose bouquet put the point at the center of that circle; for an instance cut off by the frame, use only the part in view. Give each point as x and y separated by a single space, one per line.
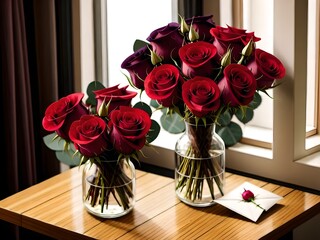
204 74
103 131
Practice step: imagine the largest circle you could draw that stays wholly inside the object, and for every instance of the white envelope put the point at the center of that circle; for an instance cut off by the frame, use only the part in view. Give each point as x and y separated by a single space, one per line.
234 201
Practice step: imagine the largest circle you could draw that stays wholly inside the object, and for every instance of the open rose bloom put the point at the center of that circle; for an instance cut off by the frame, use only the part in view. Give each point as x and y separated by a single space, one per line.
198 48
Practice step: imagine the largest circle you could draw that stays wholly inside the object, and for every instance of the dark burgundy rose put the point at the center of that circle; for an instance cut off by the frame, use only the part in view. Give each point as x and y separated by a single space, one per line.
166 41
233 38
201 95
89 135
118 96
247 195
198 59
163 84
138 65
266 68
237 86
128 129
202 25
60 114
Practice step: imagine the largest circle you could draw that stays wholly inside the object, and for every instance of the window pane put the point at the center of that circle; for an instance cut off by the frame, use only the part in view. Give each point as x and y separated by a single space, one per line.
313 25
127 21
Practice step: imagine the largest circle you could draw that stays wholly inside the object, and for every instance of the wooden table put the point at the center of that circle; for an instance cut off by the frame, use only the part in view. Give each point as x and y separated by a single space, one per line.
54 208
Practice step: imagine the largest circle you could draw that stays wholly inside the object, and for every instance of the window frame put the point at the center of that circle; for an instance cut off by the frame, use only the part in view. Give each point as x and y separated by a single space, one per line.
288 160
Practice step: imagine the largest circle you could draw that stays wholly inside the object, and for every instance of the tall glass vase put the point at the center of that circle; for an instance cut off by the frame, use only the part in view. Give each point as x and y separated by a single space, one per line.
108 187
200 165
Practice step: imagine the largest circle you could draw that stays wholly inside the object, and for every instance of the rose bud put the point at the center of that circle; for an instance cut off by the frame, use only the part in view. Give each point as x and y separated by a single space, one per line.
193 35
247 195
184 27
202 25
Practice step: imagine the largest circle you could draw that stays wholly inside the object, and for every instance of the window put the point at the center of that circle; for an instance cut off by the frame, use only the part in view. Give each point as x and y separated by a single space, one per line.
288 159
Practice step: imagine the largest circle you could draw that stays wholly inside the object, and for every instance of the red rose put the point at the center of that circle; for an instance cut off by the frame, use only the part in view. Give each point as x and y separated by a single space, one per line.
201 95
247 195
166 41
118 96
198 59
163 84
237 86
138 65
60 114
233 38
266 68
89 135
202 25
128 129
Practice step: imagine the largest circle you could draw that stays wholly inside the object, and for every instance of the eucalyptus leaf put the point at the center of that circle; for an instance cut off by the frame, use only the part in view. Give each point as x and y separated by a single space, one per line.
230 134
245 116
143 106
256 101
139 44
154 103
154 131
225 118
54 143
172 123
93 86
68 157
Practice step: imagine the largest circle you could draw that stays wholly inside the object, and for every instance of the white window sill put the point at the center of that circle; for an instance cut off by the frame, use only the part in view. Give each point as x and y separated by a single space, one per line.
312 160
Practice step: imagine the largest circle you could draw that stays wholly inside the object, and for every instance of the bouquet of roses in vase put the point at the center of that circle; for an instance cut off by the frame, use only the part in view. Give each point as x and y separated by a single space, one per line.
205 75
105 134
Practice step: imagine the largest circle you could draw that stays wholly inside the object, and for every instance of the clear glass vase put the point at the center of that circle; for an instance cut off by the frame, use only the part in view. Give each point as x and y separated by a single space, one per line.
200 165
108 187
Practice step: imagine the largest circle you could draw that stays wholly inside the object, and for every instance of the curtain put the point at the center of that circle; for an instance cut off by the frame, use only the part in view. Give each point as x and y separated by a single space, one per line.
35 70
191 8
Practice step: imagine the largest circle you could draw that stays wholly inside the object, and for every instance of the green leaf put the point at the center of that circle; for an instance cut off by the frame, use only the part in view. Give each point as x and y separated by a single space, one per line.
154 131
256 101
139 44
172 123
245 116
225 118
230 134
68 157
53 142
154 103
93 86
143 106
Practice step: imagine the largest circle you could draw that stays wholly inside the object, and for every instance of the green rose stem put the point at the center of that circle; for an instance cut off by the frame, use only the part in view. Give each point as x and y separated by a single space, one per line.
193 172
248 196
111 179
